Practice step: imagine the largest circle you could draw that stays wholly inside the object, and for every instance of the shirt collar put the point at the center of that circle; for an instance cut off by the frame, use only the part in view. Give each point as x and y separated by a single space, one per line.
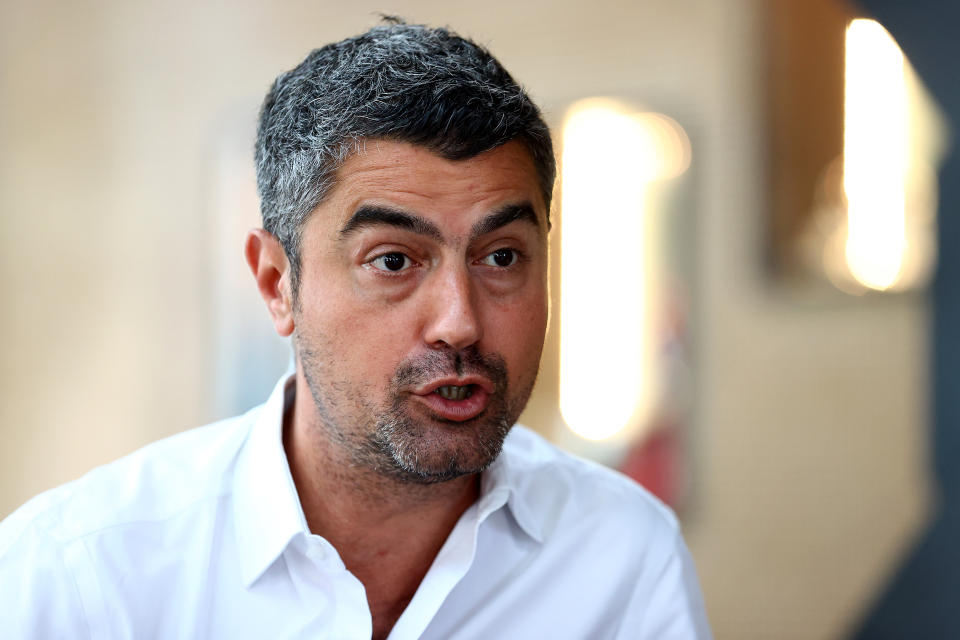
267 508
501 484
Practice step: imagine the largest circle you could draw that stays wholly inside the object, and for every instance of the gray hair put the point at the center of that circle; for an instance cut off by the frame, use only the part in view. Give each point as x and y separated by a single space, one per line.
400 82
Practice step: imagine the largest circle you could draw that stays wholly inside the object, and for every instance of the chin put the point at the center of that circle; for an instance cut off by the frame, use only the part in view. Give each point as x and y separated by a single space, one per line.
427 452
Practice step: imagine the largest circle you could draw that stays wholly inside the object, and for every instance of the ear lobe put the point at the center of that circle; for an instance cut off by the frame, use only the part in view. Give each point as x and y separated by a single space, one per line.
271 270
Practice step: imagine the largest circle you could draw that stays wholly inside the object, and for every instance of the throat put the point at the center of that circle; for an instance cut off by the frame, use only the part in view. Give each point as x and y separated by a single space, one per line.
392 556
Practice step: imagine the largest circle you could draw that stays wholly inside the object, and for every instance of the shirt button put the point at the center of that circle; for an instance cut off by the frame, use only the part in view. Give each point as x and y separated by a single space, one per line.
316 551
323 555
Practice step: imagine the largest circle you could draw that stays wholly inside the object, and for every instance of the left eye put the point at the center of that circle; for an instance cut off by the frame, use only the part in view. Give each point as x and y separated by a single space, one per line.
501 258
394 261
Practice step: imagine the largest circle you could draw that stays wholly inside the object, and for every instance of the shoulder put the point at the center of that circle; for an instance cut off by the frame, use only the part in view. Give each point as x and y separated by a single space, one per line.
601 528
562 489
150 484
49 577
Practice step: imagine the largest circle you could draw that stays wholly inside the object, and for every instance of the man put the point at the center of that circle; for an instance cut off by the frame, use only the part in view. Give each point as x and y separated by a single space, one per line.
405 183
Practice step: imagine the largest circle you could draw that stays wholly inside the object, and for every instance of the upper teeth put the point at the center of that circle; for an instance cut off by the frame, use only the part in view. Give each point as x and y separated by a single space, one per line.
451 392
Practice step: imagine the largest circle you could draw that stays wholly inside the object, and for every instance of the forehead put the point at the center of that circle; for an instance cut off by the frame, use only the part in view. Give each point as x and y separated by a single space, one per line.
414 178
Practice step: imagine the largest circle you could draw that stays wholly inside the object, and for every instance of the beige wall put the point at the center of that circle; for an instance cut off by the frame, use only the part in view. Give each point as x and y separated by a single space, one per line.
811 413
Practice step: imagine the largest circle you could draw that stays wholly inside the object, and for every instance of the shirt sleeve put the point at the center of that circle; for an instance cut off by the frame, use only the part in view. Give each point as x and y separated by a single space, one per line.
671 607
39 597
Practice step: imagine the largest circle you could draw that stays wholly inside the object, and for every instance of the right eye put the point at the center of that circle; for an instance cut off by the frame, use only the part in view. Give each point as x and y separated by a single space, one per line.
392 262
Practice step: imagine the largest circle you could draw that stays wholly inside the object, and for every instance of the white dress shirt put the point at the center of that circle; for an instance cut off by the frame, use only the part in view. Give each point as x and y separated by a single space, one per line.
201 535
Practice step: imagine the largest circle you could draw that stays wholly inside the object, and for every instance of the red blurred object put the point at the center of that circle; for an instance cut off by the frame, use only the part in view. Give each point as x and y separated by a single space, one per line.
654 462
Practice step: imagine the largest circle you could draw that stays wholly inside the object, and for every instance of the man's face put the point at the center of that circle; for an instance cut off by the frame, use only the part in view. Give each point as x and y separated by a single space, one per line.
423 306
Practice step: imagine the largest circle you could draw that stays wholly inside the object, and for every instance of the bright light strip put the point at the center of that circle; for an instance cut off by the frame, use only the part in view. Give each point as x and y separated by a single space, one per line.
875 154
606 344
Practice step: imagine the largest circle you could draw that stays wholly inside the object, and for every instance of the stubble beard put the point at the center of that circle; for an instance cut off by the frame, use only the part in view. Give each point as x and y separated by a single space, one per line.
403 442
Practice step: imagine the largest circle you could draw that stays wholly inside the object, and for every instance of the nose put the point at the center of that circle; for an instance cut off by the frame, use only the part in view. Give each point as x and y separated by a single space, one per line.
452 318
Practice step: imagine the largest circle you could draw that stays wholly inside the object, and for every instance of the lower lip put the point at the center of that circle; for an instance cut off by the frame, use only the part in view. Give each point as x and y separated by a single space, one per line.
456 410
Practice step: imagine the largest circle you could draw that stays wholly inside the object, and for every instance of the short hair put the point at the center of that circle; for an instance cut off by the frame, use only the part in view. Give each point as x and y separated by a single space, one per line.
400 82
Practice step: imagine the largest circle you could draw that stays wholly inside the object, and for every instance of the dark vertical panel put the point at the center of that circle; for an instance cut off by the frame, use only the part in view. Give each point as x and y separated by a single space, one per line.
923 600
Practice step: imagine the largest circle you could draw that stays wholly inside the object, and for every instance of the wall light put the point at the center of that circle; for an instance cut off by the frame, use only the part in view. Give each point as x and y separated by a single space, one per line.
874 154
892 136
608 297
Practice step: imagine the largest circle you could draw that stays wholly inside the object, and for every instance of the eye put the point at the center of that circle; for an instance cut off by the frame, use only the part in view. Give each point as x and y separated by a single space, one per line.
393 261
501 258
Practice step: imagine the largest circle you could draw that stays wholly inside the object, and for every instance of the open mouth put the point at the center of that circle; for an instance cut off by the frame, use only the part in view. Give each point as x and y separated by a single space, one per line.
455 402
453 392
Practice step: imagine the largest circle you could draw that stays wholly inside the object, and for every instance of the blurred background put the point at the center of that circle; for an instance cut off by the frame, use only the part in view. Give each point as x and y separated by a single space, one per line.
755 263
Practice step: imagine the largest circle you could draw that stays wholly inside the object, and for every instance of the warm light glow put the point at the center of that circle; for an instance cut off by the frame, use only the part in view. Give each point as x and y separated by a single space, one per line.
875 155
610 157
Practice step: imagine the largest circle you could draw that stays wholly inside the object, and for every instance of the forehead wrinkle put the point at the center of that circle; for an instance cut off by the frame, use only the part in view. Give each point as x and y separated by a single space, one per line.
388 170
401 162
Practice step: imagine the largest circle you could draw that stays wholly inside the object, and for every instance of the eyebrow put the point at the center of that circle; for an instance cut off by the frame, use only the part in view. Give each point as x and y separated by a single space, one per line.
370 216
503 217
375 215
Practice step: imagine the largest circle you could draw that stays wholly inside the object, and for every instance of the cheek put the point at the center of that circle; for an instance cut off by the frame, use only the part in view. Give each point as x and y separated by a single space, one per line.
360 333
519 333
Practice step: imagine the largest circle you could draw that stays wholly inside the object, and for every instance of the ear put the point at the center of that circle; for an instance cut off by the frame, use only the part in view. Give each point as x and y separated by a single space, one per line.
271 270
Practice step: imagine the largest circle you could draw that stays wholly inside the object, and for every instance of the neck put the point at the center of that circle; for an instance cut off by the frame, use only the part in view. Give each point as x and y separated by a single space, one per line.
387 531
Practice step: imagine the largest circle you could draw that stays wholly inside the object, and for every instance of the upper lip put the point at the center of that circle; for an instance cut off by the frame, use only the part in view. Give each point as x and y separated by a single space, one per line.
453 381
